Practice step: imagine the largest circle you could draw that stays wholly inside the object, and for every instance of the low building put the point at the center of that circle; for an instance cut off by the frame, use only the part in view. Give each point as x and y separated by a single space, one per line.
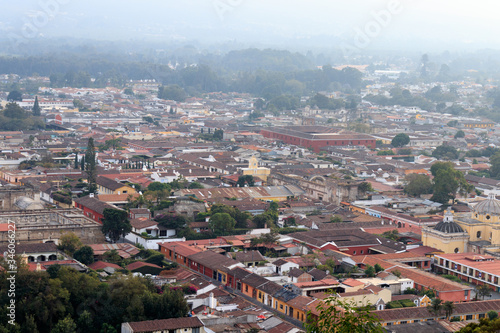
470 267
462 311
42 226
92 207
109 186
172 325
34 252
251 258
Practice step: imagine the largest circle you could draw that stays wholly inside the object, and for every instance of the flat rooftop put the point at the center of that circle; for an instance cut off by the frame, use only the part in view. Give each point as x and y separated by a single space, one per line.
319 133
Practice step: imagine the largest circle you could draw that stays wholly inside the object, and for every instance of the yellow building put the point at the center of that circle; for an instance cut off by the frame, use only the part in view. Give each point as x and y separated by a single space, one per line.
256 171
109 186
477 232
370 295
447 235
479 125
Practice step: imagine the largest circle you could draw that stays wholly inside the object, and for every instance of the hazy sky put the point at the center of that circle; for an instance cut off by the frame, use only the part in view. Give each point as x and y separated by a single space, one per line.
359 24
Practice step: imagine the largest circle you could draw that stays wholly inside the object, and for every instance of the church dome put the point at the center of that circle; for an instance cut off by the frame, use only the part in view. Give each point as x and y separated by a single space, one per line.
448 227
488 206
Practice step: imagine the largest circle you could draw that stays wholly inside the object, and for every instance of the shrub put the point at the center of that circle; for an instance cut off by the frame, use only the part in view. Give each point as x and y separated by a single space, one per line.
407 303
394 305
452 277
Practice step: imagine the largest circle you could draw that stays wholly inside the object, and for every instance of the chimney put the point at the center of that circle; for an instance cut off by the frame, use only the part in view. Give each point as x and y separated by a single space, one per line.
91 195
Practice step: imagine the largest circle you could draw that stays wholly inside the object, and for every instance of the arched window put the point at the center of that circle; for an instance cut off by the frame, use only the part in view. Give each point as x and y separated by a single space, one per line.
478 234
456 250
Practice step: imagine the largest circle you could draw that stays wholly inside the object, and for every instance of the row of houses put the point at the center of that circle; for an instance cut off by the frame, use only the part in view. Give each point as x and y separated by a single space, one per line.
233 274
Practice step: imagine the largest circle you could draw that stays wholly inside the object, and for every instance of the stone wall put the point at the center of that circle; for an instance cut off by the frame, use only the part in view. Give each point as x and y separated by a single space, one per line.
321 188
9 195
49 225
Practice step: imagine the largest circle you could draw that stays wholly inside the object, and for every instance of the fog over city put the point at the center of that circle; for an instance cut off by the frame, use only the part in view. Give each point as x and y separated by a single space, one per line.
293 24
249 166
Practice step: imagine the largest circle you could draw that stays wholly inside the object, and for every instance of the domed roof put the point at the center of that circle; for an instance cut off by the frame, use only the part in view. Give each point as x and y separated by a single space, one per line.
488 206
448 227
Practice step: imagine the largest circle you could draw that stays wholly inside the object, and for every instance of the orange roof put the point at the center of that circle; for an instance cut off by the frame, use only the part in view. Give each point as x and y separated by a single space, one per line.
325 283
352 283
117 197
182 248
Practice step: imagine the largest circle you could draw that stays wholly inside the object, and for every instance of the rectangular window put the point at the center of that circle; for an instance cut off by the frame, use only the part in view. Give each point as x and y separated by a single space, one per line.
195 330
468 317
281 306
246 288
482 315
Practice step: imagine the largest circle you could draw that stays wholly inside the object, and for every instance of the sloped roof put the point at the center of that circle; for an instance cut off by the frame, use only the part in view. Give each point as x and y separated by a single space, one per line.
165 324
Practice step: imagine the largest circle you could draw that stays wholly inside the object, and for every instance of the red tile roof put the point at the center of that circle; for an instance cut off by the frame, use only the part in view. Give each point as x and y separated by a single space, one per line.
102 264
165 324
139 264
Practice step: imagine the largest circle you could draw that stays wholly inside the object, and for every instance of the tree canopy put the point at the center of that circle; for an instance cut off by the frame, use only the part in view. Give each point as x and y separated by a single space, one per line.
85 255
90 166
417 184
15 95
245 180
448 182
445 152
221 224
400 140
36 108
116 223
65 300
339 316
69 243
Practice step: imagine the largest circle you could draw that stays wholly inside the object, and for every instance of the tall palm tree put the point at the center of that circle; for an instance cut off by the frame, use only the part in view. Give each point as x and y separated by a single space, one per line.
436 306
448 308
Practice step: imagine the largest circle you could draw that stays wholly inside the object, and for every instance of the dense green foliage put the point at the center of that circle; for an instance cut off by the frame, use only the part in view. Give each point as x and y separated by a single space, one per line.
240 217
485 325
15 118
445 152
85 255
63 298
266 73
246 180
417 184
90 166
338 316
400 140
116 223
405 303
448 182
171 221
221 224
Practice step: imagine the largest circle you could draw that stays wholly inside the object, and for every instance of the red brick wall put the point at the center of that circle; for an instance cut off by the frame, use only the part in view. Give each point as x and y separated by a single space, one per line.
90 213
317 144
